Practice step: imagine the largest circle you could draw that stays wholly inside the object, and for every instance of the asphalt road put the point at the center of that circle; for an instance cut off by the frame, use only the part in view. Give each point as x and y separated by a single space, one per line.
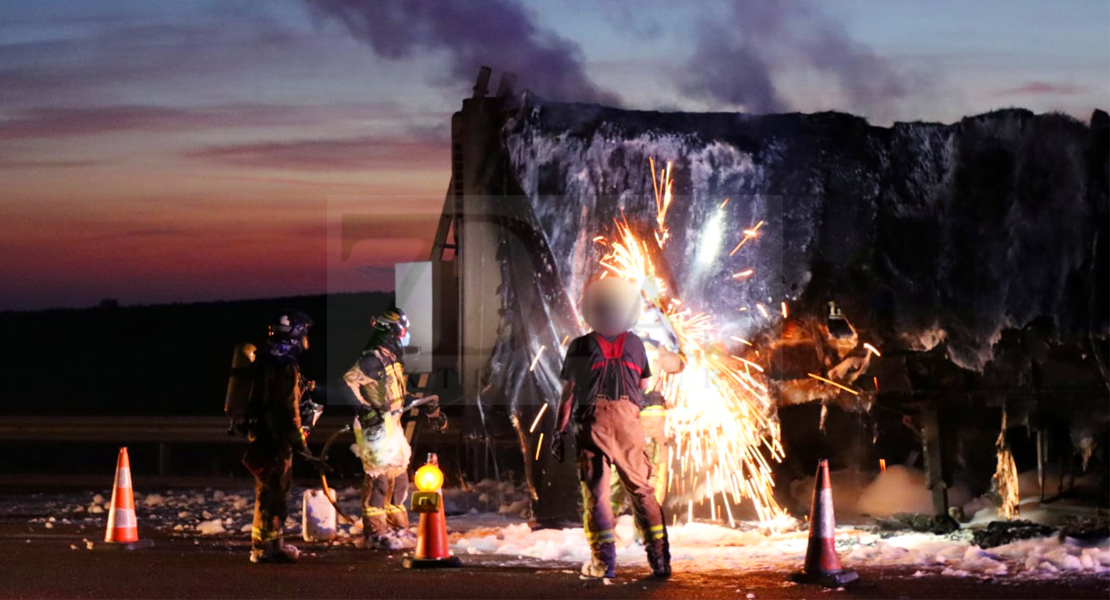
39 563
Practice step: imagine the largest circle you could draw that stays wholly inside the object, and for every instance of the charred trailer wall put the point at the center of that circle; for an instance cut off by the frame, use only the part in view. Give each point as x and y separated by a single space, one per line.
501 253
973 254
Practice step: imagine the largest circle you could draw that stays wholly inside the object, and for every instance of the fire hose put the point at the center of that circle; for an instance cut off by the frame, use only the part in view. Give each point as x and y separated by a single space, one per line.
322 464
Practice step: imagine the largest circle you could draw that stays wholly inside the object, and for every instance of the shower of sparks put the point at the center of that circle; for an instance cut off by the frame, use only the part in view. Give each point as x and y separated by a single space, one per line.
748 234
785 312
876 380
720 418
831 382
663 198
749 363
741 340
762 310
537 358
539 416
539 444
743 274
872 349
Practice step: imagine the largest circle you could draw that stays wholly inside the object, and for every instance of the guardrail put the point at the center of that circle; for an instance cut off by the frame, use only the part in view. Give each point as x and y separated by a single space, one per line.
164 432
473 455
135 429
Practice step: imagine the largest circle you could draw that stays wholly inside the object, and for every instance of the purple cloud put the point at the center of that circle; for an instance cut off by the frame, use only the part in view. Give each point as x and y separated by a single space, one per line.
499 33
64 122
737 58
1042 88
336 154
45 164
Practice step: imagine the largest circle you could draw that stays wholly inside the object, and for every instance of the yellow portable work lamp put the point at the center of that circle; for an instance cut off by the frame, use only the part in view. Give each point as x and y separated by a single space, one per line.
431 534
429 478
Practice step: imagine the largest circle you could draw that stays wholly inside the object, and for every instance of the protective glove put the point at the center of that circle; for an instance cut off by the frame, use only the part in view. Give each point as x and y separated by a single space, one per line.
438 422
430 409
368 416
671 362
430 406
558 449
310 413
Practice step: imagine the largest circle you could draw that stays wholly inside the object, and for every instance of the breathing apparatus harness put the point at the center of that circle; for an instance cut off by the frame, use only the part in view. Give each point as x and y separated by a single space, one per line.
612 353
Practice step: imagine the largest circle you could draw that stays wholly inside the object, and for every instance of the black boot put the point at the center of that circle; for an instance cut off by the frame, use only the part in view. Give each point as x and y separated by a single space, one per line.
659 557
595 567
276 551
607 552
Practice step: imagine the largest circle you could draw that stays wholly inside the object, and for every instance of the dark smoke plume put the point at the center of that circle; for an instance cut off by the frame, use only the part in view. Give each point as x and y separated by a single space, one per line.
498 33
736 58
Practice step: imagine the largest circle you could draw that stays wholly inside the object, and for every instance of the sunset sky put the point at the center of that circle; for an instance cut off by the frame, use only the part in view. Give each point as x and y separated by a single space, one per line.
156 151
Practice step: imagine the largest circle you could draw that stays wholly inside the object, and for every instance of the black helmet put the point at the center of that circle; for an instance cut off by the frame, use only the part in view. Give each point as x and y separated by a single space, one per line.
287 330
390 330
393 320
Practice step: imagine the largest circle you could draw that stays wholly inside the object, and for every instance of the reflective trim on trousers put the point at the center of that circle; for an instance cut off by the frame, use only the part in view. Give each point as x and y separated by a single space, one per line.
602 537
264 535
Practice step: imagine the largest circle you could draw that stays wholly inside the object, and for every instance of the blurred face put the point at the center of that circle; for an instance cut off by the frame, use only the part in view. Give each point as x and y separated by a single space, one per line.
611 315
404 337
611 306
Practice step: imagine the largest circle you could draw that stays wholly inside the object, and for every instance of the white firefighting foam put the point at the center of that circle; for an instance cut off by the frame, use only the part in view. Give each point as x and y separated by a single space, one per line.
489 519
707 547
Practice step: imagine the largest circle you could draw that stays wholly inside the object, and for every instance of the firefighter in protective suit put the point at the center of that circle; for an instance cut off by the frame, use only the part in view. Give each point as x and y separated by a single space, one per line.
664 357
604 376
274 433
378 381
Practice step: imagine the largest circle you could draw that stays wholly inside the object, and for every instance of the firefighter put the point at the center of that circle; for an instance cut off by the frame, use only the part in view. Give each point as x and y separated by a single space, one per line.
604 376
378 382
274 433
663 357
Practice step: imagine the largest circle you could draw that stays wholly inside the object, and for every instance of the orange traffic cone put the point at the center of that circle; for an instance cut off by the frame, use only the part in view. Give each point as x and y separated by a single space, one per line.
431 533
123 527
822 565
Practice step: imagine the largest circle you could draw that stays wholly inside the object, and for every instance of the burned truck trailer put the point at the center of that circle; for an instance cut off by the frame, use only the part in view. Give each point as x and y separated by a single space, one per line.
909 283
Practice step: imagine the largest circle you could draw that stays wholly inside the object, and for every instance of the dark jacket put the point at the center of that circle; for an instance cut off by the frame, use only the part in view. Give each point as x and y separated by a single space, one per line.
275 402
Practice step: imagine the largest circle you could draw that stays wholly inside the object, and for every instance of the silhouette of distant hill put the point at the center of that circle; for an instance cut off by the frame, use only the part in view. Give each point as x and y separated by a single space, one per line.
164 359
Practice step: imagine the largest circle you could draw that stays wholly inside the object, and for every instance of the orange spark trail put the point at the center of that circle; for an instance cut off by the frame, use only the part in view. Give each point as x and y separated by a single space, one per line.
720 418
831 382
539 416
